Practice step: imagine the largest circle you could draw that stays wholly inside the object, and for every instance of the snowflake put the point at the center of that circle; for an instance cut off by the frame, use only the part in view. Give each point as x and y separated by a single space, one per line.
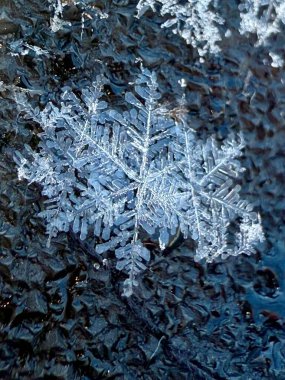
121 176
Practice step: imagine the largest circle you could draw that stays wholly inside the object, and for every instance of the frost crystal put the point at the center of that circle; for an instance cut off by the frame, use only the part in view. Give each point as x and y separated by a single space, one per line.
56 22
193 20
122 176
263 17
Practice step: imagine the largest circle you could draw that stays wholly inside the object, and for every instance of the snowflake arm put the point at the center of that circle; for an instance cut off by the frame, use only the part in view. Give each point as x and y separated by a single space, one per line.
213 199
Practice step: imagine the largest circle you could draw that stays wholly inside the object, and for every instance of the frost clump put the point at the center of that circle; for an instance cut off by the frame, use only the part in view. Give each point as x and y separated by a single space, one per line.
264 18
193 20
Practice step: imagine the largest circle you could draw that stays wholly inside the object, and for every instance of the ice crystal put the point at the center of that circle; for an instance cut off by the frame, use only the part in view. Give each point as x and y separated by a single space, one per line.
56 22
119 177
193 20
264 18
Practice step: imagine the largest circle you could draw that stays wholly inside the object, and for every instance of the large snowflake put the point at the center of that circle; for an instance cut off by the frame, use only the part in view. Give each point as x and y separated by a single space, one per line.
121 176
